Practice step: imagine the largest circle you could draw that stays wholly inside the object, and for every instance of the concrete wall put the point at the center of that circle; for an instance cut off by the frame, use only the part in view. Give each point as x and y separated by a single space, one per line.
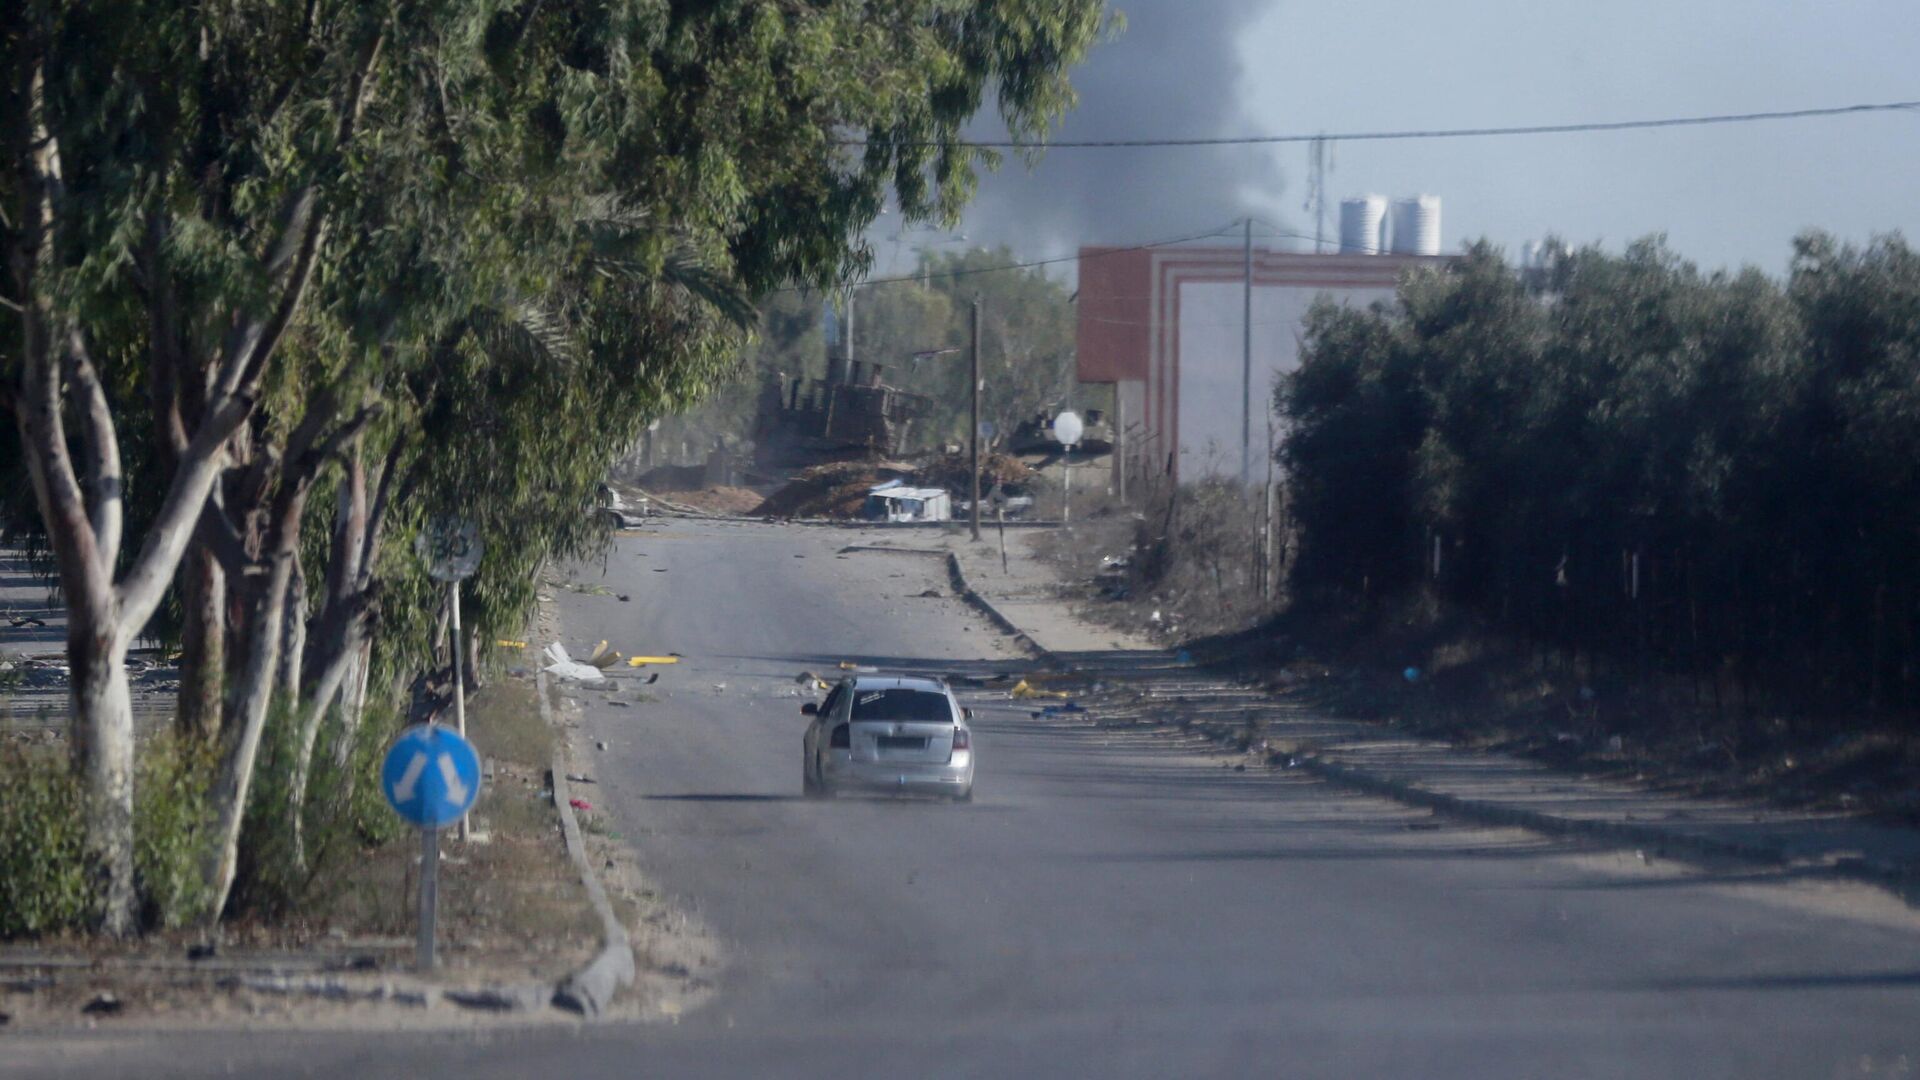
1211 366
1164 326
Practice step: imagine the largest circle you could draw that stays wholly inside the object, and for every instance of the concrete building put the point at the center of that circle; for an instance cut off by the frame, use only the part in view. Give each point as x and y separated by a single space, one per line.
1165 326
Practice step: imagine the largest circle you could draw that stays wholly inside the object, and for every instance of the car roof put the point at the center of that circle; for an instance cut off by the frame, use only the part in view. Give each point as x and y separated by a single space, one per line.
899 682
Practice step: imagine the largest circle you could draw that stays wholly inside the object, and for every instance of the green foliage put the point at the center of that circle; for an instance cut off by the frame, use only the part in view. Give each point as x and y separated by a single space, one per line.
1622 456
46 880
272 876
547 225
171 829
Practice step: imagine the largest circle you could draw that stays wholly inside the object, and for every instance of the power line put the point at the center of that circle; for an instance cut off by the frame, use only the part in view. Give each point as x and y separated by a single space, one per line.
1411 133
969 271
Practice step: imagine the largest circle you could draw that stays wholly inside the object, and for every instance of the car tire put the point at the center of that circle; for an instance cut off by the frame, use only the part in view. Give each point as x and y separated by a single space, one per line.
965 796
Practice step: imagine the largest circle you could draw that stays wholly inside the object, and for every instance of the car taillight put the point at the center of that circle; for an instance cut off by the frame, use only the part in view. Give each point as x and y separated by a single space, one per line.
962 739
840 740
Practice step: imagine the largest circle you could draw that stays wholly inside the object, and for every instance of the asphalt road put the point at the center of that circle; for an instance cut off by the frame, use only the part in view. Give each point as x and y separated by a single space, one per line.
1111 906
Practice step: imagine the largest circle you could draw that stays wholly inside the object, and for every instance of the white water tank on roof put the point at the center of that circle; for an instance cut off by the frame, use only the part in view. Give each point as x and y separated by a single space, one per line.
1363 224
1416 225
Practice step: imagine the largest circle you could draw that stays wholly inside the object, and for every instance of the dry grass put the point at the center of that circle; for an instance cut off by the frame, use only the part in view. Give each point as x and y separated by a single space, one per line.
513 903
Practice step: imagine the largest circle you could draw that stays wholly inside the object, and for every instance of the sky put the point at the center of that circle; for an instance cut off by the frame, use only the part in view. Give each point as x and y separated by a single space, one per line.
1724 197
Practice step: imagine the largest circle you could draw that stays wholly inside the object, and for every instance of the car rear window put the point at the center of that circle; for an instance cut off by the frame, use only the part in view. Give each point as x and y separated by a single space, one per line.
901 705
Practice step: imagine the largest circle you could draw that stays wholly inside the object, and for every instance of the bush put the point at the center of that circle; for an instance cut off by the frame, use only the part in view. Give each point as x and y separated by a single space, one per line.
46 876
344 811
171 831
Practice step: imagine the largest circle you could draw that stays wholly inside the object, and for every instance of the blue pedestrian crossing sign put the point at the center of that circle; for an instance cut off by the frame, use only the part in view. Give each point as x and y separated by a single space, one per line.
431 776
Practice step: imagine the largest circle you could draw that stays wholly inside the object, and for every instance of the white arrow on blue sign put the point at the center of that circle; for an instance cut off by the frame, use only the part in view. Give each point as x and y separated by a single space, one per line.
431 776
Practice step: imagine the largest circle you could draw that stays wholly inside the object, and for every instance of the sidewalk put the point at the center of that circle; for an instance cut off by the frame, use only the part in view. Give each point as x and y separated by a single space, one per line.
1138 683
1031 596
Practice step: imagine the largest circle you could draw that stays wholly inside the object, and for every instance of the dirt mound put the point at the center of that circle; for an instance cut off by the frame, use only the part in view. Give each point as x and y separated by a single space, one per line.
954 472
720 500
837 490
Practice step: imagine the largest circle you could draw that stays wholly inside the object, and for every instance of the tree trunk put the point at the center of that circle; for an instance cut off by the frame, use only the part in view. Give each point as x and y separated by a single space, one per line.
293 629
339 668
102 749
250 702
352 710
203 652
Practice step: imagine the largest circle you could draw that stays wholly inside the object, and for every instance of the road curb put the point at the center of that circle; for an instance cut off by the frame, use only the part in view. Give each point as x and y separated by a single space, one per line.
957 580
591 989
1903 881
957 577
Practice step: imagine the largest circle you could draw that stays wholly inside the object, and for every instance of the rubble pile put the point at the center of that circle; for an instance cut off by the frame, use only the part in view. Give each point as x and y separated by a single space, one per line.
840 489
835 490
954 472
720 500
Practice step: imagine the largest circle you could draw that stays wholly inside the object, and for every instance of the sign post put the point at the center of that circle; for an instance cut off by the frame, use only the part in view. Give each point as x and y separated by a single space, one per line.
1067 430
998 500
452 550
431 777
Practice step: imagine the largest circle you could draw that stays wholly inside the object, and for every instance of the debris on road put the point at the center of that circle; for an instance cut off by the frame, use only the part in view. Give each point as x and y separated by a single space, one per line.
580 804
835 490
1024 689
643 661
507 644
566 667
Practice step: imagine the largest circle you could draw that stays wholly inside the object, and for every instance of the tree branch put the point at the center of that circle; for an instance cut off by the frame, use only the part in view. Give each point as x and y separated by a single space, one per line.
164 353
256 340
104 475
377 517
216 533
38 410
172 527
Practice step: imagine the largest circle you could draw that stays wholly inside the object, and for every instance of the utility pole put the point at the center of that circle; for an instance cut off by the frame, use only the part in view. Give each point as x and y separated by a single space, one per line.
1317 185
1246 360
973 428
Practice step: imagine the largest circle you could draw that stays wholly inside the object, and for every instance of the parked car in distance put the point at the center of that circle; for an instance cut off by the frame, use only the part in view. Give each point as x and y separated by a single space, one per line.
614 509
888 733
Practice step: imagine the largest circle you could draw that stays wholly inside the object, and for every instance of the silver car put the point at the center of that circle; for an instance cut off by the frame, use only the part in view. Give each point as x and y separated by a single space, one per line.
888 732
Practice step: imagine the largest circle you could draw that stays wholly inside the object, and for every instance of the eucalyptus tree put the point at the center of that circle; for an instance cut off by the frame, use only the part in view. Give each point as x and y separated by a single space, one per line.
177 177
164 180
